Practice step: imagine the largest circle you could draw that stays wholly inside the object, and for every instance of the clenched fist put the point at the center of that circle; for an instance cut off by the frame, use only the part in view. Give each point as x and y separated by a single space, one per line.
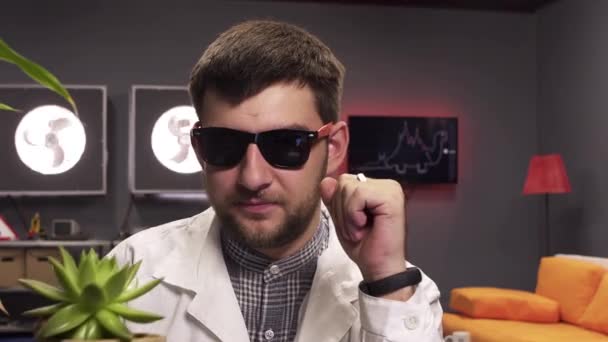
369 216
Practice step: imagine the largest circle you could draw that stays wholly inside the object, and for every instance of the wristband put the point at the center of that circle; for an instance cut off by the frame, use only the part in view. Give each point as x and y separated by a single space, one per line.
380 287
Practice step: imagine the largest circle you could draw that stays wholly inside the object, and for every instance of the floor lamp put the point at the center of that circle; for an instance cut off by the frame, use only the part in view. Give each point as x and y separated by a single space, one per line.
546 175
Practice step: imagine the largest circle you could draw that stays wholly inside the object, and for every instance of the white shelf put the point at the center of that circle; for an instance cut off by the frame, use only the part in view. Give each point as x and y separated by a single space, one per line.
55 243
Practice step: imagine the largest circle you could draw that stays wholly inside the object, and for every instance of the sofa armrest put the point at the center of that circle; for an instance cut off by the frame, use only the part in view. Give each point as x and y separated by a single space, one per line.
508 304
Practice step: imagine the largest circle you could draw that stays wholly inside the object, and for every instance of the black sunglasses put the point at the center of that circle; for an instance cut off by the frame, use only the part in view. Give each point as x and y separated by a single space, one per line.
282 148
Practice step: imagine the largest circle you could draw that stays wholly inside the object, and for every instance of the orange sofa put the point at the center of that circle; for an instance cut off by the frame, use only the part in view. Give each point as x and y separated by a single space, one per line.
570 303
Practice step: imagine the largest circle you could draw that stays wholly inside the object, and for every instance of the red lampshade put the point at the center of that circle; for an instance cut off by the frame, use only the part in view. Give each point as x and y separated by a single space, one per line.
546 175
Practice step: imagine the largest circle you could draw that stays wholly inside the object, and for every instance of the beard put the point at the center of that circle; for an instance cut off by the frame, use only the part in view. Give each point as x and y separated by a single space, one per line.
294 225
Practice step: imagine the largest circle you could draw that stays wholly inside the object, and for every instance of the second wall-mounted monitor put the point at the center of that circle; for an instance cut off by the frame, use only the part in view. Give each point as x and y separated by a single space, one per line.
161 158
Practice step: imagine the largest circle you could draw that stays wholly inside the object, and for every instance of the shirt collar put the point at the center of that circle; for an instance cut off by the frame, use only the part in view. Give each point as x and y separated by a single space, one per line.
272 269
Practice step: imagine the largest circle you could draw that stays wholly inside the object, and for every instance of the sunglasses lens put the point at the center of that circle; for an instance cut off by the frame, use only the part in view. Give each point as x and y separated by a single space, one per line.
285 148
222 146
226 147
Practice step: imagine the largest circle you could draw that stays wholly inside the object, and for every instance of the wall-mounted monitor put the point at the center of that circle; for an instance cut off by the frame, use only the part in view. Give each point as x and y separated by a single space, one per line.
161 158
406 149
46 149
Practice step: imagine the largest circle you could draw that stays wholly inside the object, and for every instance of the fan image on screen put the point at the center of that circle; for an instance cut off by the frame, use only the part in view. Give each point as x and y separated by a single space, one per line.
171 140
50 139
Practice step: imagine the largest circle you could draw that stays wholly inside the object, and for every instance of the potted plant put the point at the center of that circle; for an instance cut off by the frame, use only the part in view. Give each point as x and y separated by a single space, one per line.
90 300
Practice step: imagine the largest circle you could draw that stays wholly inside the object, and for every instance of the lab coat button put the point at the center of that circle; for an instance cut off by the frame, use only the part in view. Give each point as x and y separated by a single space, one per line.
411 322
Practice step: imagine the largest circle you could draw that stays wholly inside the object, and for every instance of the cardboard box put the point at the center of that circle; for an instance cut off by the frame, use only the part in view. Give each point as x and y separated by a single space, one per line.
37 265
12 266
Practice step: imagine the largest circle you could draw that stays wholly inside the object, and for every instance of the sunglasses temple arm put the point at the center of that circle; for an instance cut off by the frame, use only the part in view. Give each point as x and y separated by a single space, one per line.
324 130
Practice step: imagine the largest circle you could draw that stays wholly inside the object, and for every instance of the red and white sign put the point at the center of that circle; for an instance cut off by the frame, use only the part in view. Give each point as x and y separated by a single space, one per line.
6 232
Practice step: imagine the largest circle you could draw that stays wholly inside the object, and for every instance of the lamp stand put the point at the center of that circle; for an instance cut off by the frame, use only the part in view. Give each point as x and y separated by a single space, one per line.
545 234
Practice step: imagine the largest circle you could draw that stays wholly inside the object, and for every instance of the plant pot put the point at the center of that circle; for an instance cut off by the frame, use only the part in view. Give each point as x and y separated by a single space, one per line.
136 338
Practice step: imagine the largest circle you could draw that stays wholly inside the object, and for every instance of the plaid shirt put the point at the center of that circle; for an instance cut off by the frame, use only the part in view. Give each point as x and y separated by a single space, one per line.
270 292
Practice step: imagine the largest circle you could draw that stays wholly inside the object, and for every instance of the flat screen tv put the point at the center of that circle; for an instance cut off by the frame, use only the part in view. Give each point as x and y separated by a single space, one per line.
406 149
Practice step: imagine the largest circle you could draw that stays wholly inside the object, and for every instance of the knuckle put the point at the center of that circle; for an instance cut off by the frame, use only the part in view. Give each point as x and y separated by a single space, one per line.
394 183
358 193
395 191
344 178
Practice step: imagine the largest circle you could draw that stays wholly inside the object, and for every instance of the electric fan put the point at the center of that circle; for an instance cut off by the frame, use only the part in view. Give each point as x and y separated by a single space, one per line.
171 140
50 139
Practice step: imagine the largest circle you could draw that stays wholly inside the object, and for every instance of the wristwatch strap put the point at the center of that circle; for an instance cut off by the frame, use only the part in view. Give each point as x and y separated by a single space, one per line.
380 287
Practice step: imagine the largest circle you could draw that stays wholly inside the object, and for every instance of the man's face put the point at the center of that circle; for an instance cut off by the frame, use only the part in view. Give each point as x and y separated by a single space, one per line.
263 206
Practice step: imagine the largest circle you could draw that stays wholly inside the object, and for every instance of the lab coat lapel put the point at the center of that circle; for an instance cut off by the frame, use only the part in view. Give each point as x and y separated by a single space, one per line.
199 267
330 310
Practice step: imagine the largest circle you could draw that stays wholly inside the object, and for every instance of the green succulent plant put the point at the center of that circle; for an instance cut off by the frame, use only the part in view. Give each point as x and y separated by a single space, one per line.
91 298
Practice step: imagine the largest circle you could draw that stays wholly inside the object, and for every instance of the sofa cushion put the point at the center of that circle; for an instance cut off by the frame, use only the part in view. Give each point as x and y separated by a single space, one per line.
493 330
592 259
572 283
491 302
596 315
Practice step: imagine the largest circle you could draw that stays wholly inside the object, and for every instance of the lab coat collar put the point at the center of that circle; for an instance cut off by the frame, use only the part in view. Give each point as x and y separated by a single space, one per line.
198 267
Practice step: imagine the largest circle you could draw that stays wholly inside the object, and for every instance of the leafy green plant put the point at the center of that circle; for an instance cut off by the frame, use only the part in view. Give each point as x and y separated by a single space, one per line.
90 302
36 72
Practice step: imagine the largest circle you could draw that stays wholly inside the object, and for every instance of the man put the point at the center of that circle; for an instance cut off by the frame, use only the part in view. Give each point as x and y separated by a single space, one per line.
285 252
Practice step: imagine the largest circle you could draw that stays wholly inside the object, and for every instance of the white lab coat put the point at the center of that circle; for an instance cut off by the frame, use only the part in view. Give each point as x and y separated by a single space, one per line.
198 303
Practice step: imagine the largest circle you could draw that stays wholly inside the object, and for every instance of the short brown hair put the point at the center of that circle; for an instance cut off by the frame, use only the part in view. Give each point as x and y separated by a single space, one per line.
251 56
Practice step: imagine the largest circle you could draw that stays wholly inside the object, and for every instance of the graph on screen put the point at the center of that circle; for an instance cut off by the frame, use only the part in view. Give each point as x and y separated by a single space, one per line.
407 149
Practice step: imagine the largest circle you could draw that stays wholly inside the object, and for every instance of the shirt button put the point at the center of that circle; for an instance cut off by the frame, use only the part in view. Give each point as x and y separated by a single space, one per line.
274 269
269 334
411 322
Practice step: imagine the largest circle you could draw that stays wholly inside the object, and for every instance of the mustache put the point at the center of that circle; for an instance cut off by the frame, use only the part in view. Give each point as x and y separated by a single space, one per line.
244 195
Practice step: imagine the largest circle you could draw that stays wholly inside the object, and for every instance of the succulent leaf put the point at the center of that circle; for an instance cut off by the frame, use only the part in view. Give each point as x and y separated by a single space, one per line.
132 272
93 255
67 281
136 292
105 271
45 290
117 283
69 264
90 330
81 260
65 320
87 273
114 263
44 311
133 315
113 324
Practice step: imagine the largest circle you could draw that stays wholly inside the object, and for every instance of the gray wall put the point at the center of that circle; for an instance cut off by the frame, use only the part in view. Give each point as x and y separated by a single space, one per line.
478 66
572 103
